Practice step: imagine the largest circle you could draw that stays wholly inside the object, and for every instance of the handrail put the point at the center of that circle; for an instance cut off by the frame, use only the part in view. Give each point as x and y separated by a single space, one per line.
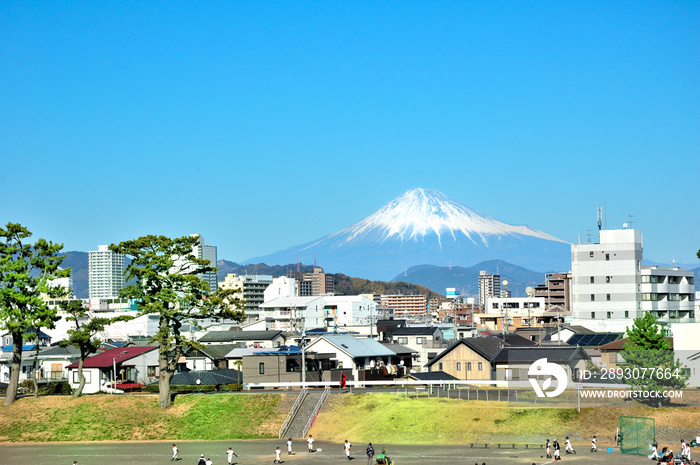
292 412
319 404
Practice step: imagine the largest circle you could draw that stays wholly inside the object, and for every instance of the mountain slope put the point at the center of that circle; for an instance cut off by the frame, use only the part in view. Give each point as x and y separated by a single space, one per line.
426 227
466 280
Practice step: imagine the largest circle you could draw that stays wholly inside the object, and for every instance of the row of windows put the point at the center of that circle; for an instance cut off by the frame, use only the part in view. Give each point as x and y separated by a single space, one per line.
607 297
608 279
609 314
469 366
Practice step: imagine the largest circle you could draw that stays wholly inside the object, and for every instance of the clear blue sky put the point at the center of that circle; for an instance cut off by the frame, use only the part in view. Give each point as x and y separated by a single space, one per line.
263 125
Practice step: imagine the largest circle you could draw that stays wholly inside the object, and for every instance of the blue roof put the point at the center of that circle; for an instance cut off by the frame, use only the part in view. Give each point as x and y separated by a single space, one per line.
25 347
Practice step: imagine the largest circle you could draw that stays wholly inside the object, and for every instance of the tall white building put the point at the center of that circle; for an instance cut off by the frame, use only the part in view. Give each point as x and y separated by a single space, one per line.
489 286
206 252
610 287
105 273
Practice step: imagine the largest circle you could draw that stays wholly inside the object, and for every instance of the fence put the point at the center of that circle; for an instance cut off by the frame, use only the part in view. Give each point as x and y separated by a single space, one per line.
636 434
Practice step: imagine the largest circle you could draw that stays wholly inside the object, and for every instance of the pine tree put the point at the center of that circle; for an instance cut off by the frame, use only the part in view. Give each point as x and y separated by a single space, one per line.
651 367
26 270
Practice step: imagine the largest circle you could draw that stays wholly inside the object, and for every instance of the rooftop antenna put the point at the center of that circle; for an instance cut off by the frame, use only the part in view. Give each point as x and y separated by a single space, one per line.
588 236
600 218
630 219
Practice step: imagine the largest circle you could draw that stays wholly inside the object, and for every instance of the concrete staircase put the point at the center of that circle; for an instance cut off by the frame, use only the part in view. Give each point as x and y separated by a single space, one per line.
306 411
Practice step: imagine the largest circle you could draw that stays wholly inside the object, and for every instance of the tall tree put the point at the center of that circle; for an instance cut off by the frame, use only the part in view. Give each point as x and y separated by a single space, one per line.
25 272
166 281
84 335
651 367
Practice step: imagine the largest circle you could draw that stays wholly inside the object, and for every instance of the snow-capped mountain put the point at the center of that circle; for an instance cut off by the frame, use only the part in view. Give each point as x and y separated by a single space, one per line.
425 227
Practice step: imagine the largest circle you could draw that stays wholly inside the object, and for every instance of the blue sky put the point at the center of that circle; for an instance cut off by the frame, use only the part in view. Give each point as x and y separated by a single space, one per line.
262 125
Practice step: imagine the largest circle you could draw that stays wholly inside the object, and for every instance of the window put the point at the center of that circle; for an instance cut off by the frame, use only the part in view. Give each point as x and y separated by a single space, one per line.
86 373
592 280
609 314
403 340
440 366
607 257
627 314
459 366
469 366
592 315
419 340
152 371
590 254
481 366
261 368
592 297
607 297
607 279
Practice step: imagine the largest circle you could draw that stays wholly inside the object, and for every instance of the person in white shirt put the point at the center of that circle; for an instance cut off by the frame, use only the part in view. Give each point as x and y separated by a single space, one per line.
289 446
175 452
569 448
594 444
347 447
229 454
277 455
311 443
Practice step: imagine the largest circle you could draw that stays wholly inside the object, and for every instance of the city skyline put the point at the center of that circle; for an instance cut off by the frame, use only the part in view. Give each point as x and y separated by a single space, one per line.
261 126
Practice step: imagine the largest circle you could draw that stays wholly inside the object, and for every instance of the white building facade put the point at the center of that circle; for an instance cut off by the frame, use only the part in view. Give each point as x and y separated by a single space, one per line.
610 287
105 273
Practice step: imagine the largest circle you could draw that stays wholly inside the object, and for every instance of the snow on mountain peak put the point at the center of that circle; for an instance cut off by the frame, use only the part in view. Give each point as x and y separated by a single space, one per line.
423 212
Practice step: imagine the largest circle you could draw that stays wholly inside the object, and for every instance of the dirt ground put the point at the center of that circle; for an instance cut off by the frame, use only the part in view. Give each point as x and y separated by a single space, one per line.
259 452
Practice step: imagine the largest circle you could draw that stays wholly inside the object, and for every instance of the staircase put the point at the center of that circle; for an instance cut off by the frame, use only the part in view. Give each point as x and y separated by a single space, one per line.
306 411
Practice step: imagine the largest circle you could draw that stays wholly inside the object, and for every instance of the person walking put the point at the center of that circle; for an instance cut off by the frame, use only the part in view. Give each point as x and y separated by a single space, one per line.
175 452
347 447
548 448
569 447
289 446
594 444
277 455
310 441
229 455
370 454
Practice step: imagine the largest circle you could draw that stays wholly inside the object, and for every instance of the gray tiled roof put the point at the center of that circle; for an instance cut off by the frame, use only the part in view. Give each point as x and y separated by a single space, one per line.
554 354
236 335
357 347
416 331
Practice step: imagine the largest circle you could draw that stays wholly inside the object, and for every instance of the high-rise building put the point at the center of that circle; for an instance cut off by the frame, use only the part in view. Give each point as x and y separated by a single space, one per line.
105 273
252 289
556 291
610 287
206 252
489 286
317 283
413 307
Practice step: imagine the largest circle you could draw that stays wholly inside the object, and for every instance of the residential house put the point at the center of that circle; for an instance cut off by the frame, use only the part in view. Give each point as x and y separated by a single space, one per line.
132 366
428 341
284 365
365 356
469 358
513 363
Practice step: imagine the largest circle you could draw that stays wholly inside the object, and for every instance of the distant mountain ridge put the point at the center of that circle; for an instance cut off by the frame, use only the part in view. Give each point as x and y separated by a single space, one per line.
425 227
466 280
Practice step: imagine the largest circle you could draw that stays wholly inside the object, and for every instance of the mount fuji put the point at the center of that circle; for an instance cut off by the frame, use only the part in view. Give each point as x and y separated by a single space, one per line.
424 227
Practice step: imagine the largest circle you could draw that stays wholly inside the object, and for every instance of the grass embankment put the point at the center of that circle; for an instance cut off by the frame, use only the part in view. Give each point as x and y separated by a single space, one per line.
110 418
386 418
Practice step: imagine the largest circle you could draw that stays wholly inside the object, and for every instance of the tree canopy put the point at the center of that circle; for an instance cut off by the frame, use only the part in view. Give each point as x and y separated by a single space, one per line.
651 362
26 272
166 280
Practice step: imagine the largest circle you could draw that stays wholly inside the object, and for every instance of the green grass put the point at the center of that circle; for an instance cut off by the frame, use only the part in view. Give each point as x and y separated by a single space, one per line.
110 418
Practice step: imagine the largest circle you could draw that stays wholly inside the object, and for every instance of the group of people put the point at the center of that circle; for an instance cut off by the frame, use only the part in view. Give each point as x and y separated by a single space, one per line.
667 453
554 448
204 461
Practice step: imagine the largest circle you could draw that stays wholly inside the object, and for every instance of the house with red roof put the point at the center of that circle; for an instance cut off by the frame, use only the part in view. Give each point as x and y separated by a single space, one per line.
130 366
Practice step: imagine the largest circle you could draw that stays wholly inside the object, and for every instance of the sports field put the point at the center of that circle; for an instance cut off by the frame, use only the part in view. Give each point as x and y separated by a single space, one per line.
262 451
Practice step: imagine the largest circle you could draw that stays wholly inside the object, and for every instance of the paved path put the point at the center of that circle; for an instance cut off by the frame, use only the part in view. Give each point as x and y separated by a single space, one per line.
262 452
